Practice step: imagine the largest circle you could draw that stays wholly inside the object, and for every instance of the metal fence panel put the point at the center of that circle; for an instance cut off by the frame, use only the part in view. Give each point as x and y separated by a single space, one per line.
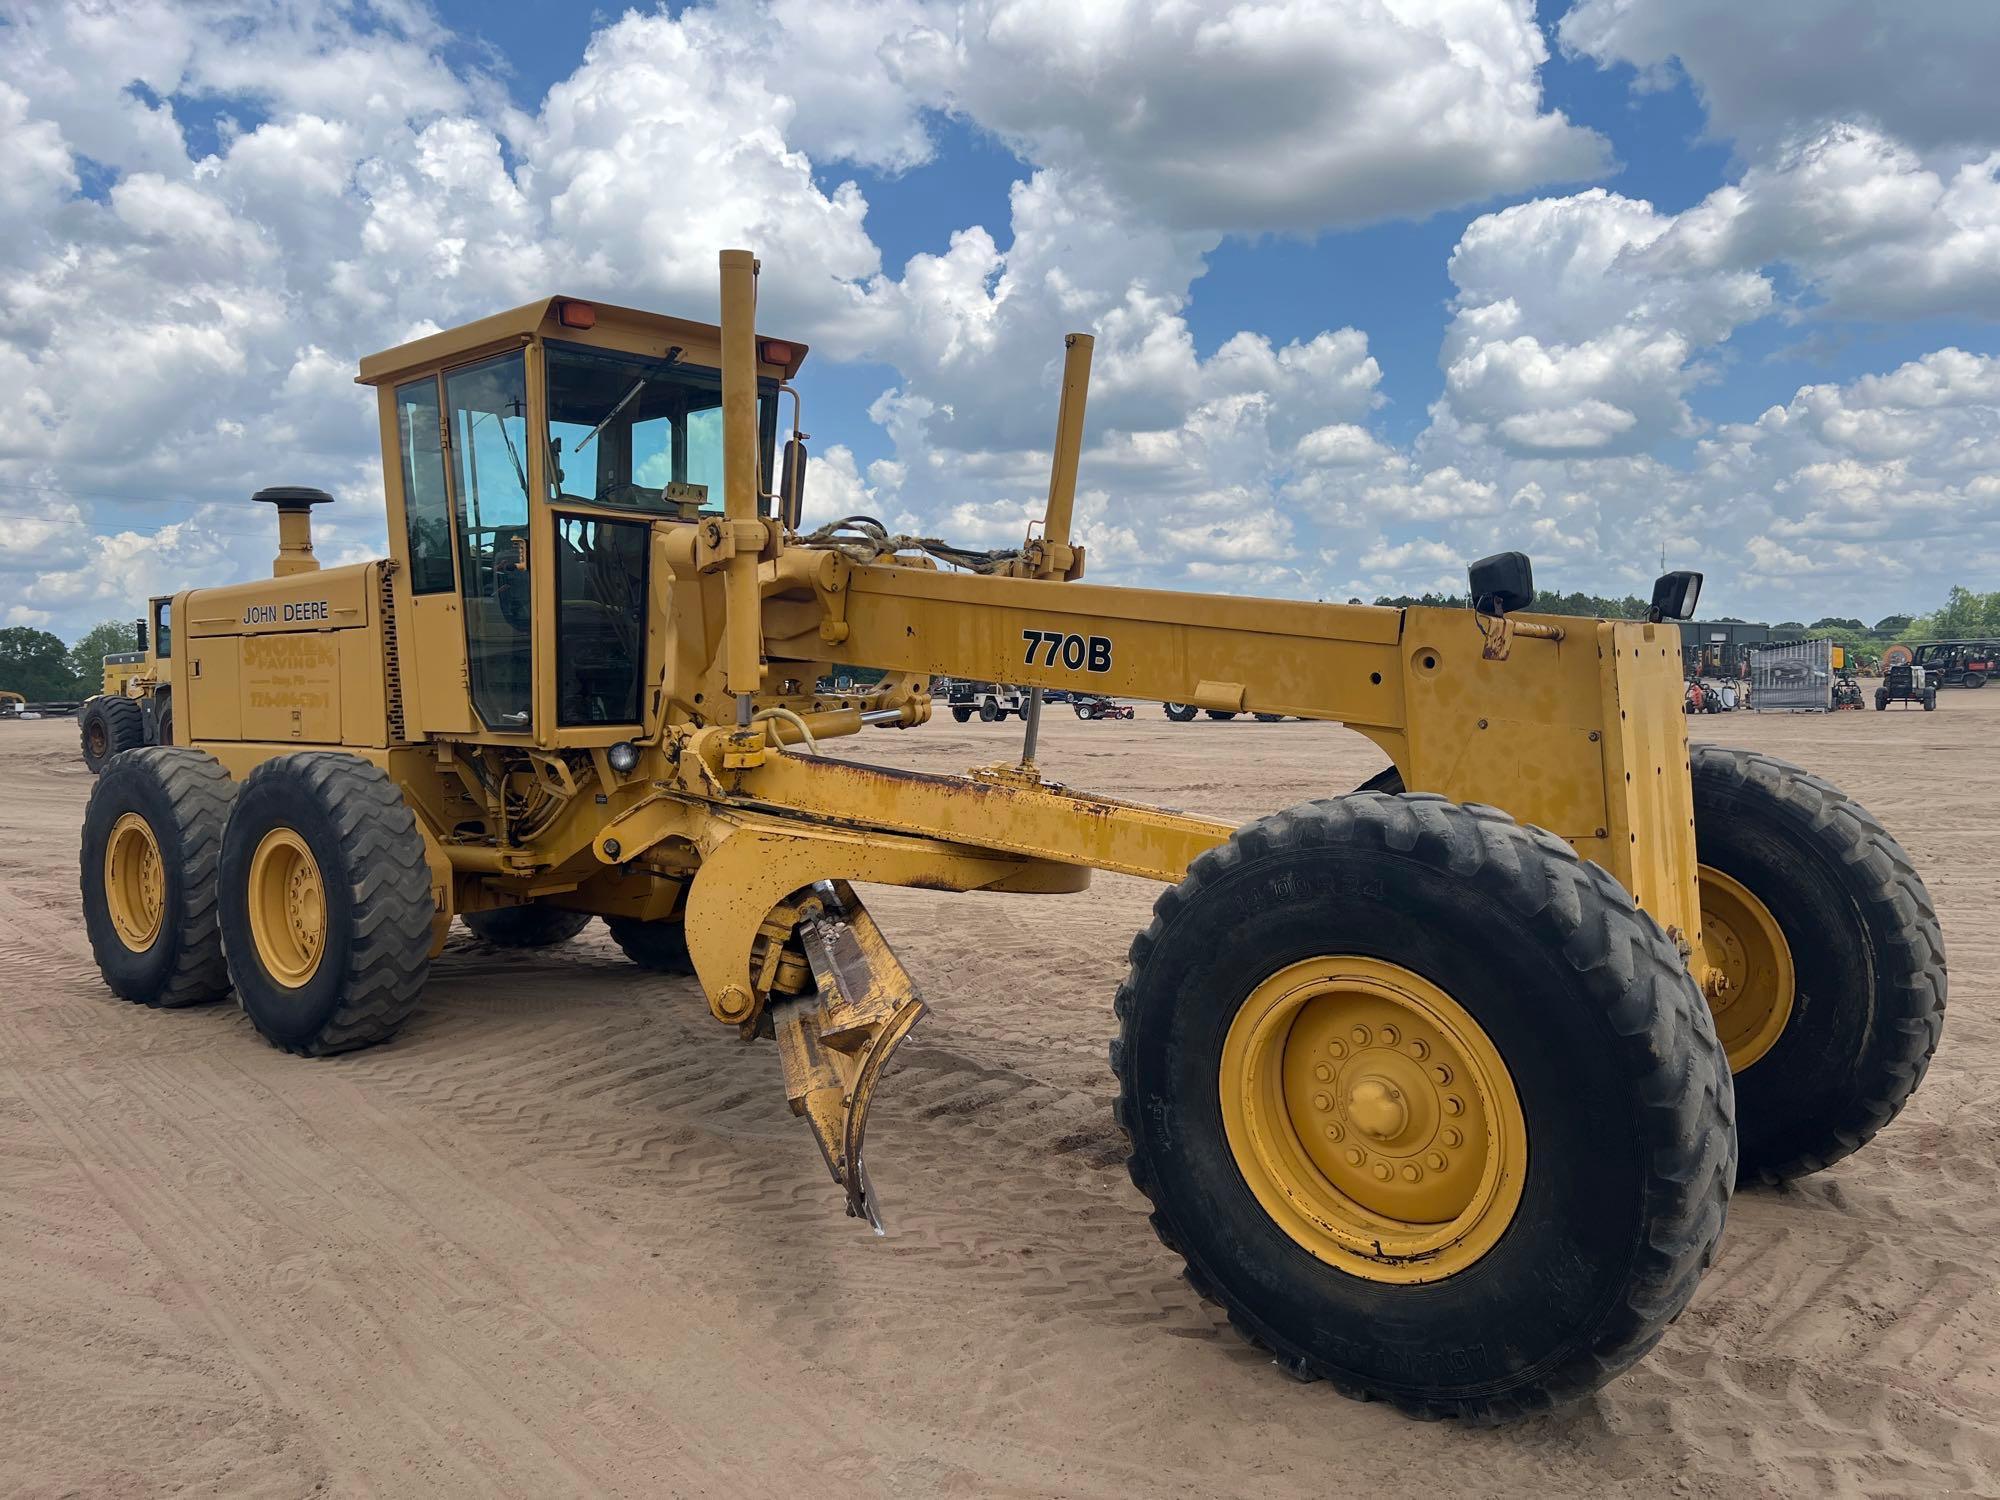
1792 677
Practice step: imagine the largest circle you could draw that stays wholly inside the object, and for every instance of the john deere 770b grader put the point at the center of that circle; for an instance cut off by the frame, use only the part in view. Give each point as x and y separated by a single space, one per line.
1440 1087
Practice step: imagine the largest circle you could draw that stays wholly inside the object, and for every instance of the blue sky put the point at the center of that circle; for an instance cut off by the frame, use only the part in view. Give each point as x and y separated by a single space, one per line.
1377 286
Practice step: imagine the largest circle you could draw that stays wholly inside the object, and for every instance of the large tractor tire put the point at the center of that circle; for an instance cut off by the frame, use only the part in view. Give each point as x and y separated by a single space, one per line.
1222 714
659 946
1833 955
152 844
326 903
534 926
1181 713
1269 718
108 726
1426 1104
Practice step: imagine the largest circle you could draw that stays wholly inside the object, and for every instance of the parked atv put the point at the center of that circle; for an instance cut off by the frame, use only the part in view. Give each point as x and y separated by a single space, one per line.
1907 683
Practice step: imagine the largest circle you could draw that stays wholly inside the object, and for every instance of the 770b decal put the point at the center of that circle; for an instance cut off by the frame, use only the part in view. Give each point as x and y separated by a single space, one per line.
1080 653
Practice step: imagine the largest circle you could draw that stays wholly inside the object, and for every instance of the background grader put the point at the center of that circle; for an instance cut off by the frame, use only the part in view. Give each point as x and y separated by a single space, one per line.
1439 1087
136 705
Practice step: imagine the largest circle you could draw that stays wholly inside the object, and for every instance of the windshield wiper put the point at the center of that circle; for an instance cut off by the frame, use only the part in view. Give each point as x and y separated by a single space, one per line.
623 402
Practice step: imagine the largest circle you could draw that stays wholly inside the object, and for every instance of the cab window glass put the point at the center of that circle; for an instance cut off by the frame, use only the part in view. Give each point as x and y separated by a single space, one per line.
622 427
600 619
163 628
487 405
426 501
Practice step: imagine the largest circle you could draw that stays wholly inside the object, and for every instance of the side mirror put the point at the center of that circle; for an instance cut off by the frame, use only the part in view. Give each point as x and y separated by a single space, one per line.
792 482
1674 597
1502 583
140 626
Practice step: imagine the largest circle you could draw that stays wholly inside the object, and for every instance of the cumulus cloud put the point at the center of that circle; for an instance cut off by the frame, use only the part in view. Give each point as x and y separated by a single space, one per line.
1924 72
1261 115
1581 324
1874 231
1570 336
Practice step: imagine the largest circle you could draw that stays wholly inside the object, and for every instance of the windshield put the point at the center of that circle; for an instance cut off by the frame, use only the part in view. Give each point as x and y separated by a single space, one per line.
622 428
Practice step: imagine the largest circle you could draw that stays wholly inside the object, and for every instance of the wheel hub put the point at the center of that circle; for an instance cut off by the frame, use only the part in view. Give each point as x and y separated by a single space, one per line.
1373 1118
1381 1072
135 882
288 918
1753 980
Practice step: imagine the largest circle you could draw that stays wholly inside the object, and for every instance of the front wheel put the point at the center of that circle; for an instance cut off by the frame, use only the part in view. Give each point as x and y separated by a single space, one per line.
1881 699
963 715
534 926
1180 713
1829 958
1428 1106
1221 713
659 946
989 713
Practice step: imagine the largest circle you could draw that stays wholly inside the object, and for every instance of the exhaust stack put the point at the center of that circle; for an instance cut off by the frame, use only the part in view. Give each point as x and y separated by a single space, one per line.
295 542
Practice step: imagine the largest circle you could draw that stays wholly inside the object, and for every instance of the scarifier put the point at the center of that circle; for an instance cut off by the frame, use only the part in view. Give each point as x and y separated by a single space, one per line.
1439 1087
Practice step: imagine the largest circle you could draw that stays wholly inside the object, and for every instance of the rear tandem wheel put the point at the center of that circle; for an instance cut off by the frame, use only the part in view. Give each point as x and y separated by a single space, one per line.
326 902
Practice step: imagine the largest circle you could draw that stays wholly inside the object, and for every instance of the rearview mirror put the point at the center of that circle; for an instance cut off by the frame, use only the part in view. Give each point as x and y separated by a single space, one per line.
1502 583
1675 596
792 483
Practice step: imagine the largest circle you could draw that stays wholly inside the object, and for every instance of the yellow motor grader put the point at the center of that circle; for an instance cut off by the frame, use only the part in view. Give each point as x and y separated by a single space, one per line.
1440 1087
136 705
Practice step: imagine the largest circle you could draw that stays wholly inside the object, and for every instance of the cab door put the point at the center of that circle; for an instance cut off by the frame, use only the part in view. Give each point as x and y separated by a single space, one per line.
430 632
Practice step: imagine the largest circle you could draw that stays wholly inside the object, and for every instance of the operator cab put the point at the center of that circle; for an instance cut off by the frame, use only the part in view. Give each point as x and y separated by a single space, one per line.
526 458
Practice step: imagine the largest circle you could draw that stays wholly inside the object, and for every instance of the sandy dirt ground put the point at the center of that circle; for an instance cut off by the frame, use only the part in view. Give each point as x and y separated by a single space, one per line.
563 1237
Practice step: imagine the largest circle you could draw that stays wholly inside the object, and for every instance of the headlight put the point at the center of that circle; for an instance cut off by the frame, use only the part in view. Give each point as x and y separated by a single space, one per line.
623 756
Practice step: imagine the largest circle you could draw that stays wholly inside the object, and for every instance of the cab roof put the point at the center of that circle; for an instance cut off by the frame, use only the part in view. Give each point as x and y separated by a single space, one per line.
575 318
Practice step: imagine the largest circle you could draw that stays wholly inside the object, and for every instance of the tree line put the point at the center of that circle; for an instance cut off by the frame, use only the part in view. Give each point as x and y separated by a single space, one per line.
39 667
1965 613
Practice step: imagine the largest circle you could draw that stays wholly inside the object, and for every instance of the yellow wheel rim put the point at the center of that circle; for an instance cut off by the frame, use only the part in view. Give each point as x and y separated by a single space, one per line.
1373 1118
1751 980
287 907
135 882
